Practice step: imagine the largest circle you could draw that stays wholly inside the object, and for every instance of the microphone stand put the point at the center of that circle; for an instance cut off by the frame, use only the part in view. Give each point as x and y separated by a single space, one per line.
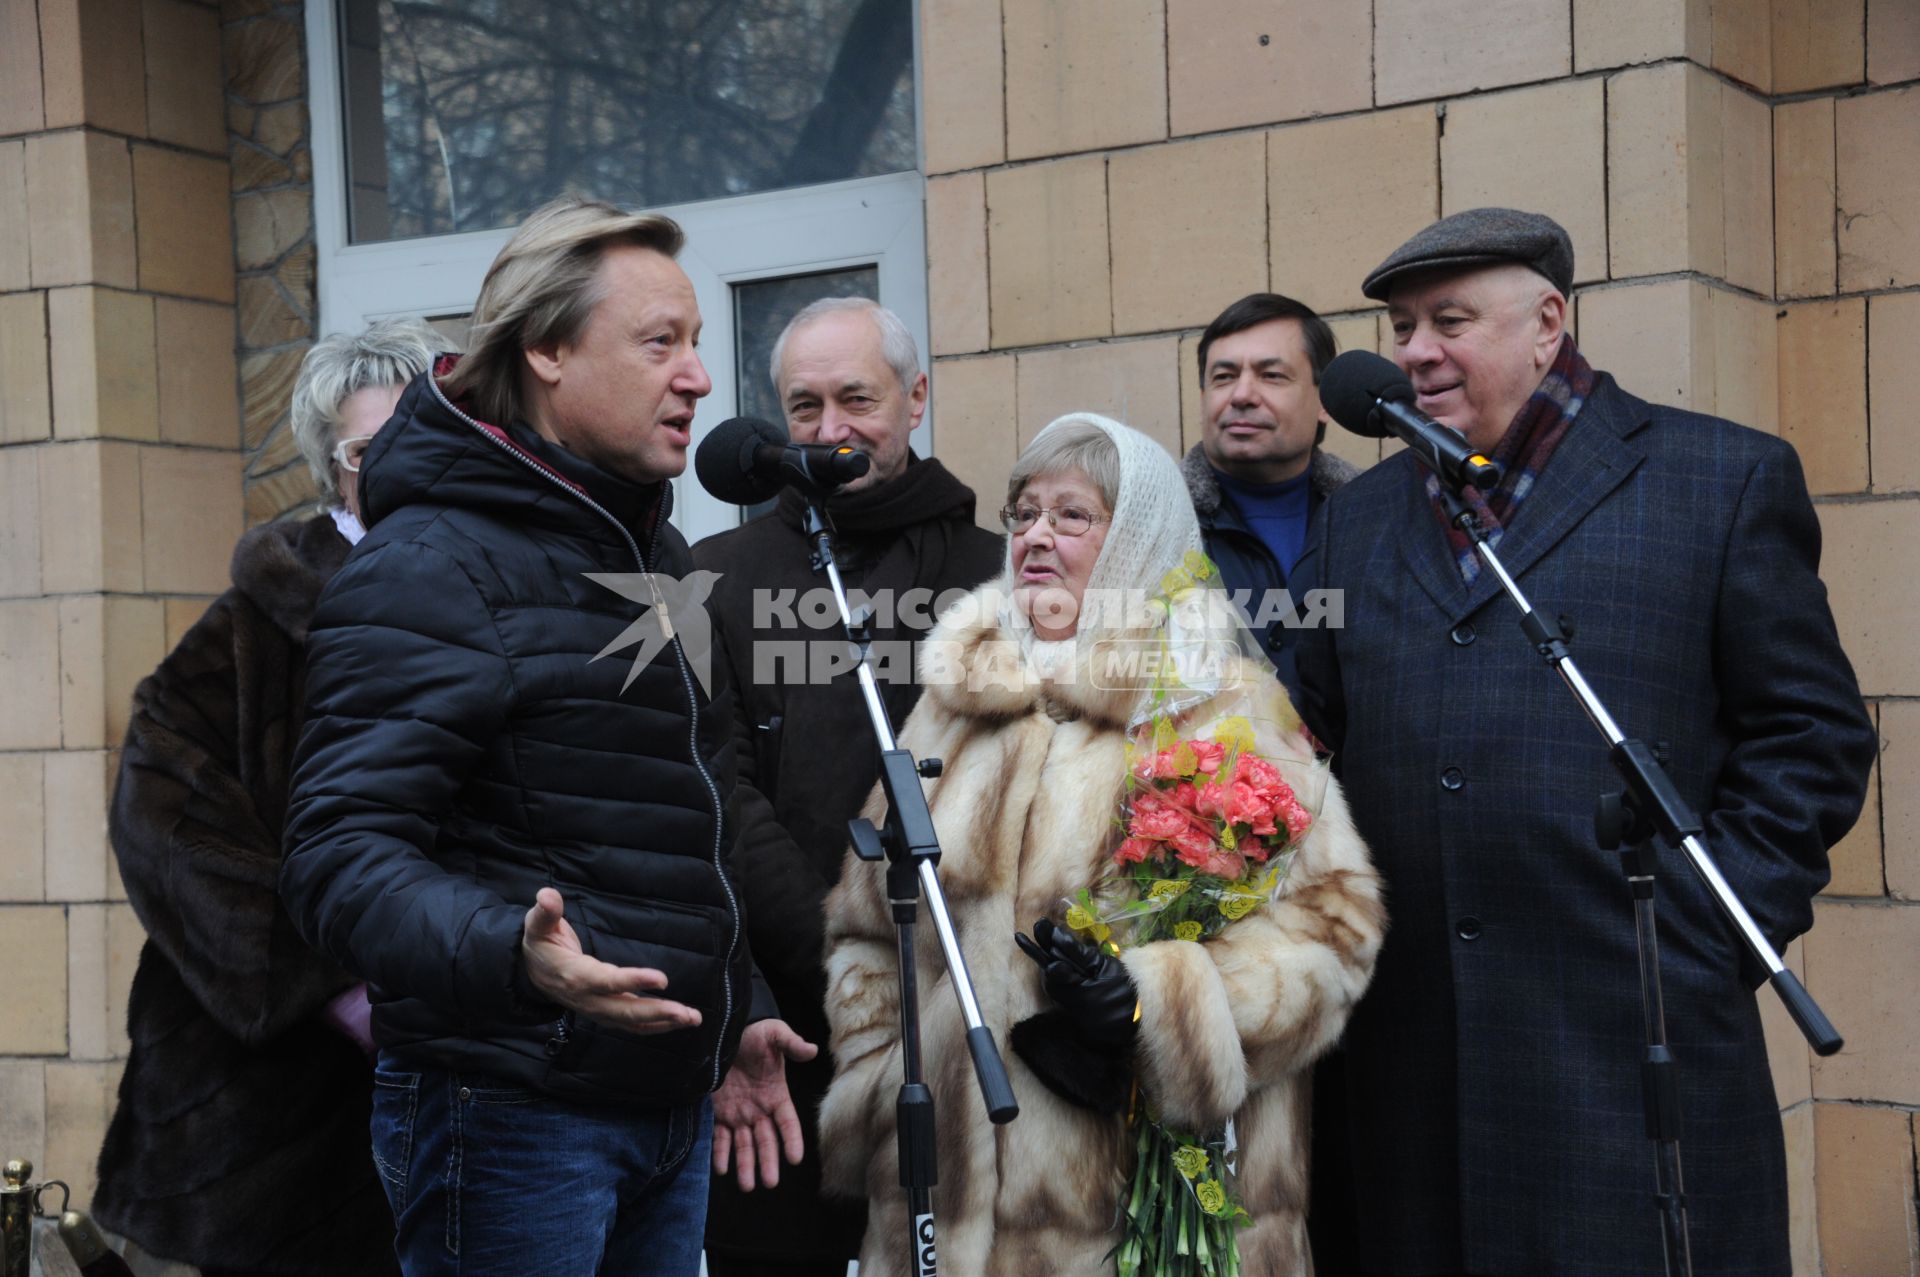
911 848
1650 804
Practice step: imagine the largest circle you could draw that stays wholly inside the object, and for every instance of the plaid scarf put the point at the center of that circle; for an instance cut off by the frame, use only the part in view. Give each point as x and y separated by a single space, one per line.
1522 454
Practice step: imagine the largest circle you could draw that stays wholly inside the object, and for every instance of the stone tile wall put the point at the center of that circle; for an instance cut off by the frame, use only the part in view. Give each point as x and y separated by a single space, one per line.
1739 179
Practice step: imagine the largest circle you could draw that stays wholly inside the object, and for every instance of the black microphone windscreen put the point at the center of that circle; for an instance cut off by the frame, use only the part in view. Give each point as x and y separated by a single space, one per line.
724 460
1351 385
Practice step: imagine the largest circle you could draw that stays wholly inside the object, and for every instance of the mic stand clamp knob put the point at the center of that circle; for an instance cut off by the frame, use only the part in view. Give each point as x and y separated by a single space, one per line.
930 768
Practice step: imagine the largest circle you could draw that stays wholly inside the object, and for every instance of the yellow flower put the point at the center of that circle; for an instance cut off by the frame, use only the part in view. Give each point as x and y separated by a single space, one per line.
1101 932
1213 1198
1176 581
1184 760
1198 565
1235 733
1190 1160
1187 931
1167 889
1078 918
1238 906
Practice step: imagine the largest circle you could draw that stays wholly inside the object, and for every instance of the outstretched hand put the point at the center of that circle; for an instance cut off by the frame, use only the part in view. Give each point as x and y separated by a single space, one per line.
752 1110
566 974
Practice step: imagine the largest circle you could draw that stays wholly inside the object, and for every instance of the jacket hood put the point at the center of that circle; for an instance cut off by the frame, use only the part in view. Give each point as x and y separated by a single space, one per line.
282 567
433 451
1325 471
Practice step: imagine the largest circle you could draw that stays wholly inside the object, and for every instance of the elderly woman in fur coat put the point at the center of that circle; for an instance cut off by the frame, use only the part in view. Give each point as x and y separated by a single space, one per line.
1035 752
240 1143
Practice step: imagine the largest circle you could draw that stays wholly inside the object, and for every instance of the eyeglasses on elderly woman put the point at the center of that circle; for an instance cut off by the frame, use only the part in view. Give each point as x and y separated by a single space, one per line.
1067 520
348 452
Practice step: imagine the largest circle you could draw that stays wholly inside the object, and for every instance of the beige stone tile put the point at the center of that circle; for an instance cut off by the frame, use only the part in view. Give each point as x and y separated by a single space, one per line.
184 102
1649 337
1567 180
1047 252
80 1102
107 645
266 388
26 397
16 271
90 517
1743 41
1818 44
1083 74
1877 162
125 937
1323 241
1189 230
78 783
975 428
21 110
253 168
1787 1052
1803 191
192 500
185 245
267 316
1893 41
957 264
1235 63
1864 1162
1134 382
80 210
1746 385
1803 1228
1192 398
19 522
962 87
23 1096
268 223
1437 48
1893 389
1823 391
22 830
1852 948
1663 189
1900 795
105 383
33 1019
87 1030
30 671
1746 174
92 64
1867 562
1856 859
283 492
182 615
1617 33
194 348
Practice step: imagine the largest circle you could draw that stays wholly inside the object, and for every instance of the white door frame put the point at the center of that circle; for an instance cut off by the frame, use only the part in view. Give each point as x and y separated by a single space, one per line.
874 221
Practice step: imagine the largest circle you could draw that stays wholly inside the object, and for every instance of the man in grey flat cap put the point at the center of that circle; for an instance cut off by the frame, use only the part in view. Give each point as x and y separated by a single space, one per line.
1490 1117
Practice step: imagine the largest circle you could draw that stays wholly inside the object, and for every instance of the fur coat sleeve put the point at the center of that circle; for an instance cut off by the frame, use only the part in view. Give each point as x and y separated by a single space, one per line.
195 822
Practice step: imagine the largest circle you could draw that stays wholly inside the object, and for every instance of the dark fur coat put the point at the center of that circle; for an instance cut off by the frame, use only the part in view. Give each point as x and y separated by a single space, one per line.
240 1141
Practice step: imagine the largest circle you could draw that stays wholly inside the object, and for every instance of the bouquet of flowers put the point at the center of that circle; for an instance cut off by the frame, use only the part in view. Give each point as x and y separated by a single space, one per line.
1207 832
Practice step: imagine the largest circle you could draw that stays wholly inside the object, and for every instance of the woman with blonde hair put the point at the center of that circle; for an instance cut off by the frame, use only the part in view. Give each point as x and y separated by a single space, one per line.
1066 744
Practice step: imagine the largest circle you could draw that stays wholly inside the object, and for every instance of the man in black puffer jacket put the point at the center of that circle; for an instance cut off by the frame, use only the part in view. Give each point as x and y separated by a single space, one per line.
522 847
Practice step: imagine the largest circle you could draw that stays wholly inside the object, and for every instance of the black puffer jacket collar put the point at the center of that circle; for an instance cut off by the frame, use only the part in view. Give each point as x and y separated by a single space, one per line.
432 449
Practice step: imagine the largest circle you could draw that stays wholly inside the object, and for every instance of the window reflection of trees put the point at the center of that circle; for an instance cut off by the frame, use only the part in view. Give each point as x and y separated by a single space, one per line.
491 106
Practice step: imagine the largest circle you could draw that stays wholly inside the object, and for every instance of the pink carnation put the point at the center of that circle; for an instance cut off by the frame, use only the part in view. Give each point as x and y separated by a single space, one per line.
1159 765
1135 850
1298 818
1154 817
1208 755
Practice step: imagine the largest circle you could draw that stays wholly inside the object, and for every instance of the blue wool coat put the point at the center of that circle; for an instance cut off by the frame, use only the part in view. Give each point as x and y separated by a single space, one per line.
1492 1113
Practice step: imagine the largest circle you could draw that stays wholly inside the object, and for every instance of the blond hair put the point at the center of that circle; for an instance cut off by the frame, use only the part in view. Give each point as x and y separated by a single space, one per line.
391 352
542 289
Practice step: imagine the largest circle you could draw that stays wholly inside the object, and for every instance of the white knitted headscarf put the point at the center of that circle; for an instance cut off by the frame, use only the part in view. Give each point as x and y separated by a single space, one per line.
1151 533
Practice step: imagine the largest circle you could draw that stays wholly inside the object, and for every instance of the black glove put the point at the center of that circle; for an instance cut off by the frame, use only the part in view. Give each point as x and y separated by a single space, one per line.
1079 1071
1091 986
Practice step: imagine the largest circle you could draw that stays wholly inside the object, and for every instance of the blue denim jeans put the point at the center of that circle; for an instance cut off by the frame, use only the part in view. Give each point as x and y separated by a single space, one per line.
491 1180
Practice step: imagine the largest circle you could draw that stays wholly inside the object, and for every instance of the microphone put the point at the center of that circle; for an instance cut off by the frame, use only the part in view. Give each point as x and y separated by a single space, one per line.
746 461
1370 396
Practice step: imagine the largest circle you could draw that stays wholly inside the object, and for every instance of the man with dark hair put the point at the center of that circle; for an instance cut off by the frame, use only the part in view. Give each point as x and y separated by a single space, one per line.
847 372
522 848
1258 473
1494 1116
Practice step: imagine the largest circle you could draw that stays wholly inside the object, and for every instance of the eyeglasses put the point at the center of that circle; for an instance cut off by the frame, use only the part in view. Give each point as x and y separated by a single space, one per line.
347 453
1067 520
